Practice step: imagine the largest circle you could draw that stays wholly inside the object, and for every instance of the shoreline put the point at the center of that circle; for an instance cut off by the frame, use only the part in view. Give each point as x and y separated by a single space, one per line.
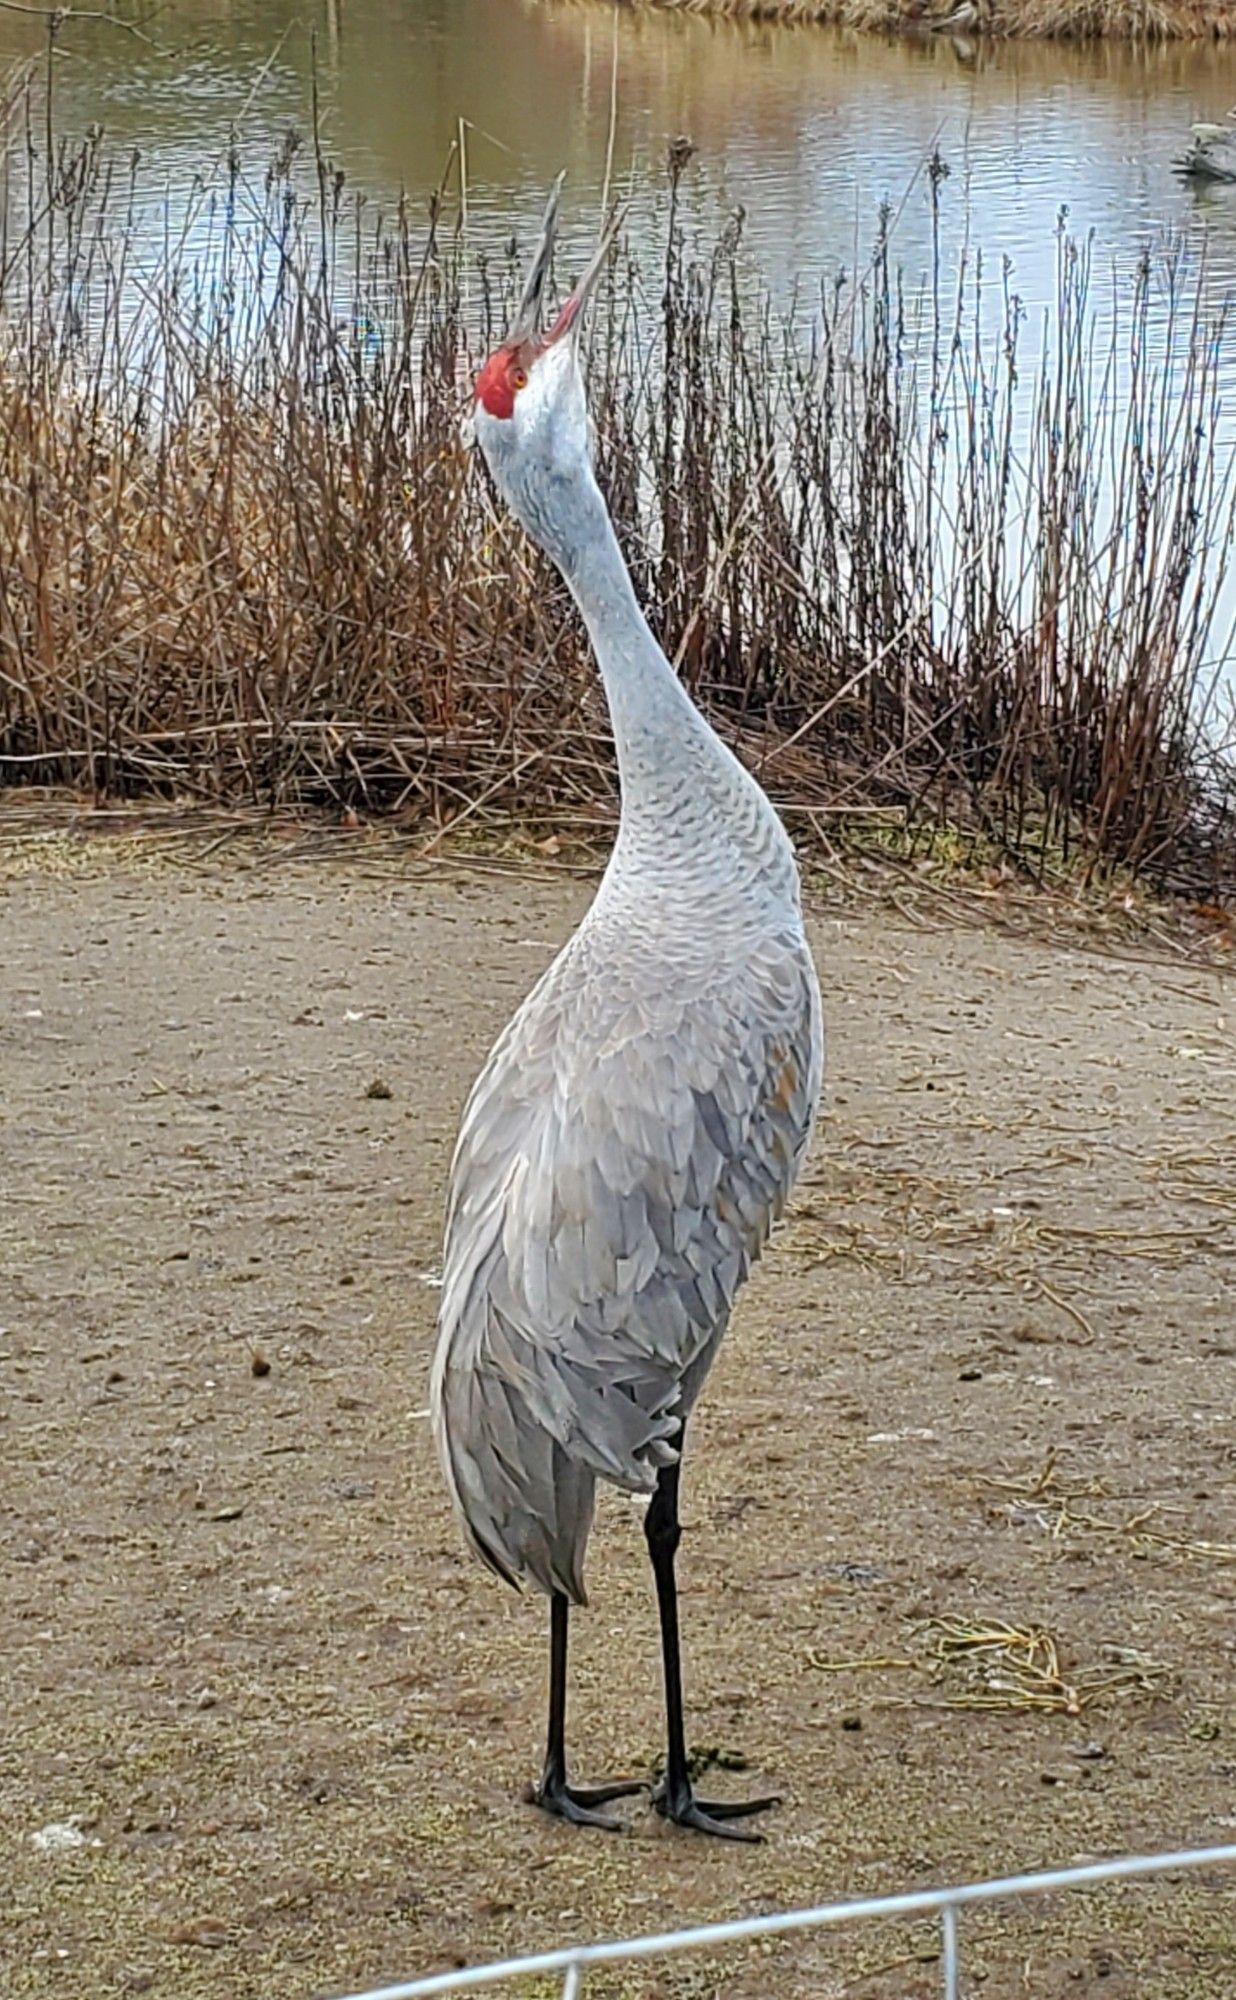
62 835
310 601
1145 21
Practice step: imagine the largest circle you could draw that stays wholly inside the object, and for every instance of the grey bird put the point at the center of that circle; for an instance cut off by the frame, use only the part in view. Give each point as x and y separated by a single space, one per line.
639 1124
1211 153
1206 134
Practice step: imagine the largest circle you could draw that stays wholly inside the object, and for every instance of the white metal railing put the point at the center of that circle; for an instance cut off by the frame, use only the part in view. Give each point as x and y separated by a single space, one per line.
573 1961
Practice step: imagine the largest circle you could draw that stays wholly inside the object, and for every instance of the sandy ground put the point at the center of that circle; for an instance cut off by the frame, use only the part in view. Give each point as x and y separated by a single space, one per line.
244 1658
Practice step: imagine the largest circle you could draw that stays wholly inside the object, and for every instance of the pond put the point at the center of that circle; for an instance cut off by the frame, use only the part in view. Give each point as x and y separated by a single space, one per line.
809 130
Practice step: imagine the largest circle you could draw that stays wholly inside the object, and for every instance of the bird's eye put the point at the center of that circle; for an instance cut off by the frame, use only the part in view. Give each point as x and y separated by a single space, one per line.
519 378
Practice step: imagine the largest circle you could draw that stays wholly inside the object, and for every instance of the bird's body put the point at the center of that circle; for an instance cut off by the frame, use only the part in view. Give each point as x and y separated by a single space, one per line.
638 1125
1211 153
623 1154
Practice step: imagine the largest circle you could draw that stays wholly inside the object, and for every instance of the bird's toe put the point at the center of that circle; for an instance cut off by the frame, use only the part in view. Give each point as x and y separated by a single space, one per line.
737 1808
577 1803
715 1816
693 1815
600 1795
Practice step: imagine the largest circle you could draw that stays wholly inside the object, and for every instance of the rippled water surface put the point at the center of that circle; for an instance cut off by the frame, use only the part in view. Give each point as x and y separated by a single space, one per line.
809 130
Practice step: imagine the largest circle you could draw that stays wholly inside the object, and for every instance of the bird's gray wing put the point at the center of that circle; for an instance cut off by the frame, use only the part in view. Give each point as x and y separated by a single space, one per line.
620 1163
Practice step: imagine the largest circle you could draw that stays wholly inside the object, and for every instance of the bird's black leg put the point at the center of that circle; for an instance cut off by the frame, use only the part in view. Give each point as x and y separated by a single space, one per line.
673 1796
553 1794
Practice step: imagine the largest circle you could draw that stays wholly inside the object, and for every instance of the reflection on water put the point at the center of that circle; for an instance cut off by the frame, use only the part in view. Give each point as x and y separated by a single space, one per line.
809 130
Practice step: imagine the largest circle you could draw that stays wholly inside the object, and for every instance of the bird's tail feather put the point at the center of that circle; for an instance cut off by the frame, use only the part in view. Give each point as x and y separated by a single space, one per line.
525 1505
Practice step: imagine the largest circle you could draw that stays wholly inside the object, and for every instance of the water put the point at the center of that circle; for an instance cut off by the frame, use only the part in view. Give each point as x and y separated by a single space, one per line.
808 129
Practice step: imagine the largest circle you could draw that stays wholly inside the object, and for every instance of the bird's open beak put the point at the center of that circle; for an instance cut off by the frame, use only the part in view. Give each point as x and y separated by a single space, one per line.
571 314
527 324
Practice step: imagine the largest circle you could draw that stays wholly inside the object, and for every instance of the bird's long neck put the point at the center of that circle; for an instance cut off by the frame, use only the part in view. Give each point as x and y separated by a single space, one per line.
684 795
654 719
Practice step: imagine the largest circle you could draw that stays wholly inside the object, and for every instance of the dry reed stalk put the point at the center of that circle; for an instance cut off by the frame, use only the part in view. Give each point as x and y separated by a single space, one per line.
245 555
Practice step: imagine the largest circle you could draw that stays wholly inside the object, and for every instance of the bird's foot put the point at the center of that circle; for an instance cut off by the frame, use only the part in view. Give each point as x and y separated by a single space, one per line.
679 1804
577 1803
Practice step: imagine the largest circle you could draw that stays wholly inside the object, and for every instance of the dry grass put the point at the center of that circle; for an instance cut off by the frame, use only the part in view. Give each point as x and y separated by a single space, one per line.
1062 20
245 555
986 1664
1058 1509
973 1663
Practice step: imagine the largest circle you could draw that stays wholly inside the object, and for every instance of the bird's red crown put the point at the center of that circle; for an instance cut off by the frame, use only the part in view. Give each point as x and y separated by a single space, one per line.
503 376
506 371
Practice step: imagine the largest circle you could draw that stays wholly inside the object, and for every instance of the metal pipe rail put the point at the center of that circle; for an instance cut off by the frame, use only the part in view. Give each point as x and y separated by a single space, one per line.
573 1961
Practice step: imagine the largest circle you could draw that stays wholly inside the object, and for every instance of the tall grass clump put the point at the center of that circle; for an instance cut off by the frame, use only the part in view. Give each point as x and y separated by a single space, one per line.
247 556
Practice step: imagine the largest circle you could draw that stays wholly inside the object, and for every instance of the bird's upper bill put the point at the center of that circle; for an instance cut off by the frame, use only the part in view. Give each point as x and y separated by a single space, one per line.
507 370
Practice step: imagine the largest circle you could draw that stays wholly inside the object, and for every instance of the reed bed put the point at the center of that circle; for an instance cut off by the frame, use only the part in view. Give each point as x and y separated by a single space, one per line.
1024 20
247 556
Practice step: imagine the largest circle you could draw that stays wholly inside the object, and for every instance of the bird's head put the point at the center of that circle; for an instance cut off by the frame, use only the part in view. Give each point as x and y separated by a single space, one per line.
531 413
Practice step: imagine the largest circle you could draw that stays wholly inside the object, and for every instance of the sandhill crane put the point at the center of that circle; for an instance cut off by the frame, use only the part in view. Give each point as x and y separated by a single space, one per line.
638 1126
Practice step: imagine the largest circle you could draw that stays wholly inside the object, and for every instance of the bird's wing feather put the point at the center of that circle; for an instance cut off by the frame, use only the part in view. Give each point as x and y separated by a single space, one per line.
620 1163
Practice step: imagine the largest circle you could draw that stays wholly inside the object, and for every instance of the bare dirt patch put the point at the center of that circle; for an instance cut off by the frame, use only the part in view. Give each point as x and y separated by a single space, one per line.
959 1573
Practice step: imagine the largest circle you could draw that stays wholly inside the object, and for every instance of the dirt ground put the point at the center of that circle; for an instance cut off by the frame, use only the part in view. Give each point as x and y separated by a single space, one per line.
283 1724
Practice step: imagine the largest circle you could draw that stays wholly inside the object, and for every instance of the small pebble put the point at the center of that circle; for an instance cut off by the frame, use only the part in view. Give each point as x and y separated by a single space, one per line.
210 1932
58 1837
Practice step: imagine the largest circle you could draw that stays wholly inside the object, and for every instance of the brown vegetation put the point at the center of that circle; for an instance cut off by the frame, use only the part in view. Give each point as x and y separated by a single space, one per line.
1062 20
246 556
